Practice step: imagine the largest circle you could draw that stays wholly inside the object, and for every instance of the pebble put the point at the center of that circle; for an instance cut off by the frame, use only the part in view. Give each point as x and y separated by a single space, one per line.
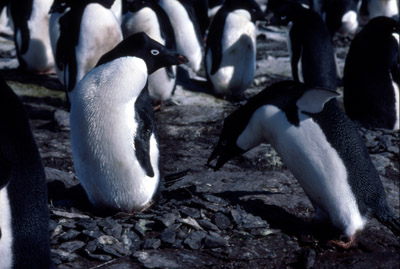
195 239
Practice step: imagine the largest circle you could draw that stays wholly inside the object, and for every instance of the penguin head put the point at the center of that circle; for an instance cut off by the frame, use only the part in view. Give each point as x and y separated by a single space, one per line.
281 12
140 45
382 26
289 96
250 6
136 5
60 6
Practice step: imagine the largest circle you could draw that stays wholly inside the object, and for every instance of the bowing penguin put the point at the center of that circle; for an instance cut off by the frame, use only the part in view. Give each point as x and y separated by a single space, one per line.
230 55
313 138
310 48
30 20
147 16
24 213
187 31
339 15
85 31
113 133
372 75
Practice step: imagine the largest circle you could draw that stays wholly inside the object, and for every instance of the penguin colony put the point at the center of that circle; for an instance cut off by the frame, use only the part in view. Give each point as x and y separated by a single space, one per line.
111 80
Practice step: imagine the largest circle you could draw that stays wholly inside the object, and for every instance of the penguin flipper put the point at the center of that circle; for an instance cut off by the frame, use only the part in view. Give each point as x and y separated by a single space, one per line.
214 39
170 72
387 218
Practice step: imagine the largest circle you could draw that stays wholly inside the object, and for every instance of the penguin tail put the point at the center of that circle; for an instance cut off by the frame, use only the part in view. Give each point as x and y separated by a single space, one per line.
387 218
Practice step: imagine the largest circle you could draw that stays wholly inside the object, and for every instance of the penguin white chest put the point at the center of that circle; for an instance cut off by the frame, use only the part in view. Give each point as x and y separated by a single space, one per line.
145 20
312 160
103 131
187 42
238 62
6 239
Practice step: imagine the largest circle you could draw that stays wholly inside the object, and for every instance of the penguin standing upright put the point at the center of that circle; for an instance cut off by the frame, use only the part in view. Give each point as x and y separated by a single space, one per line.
113 133
30 20
310 48
24 213
313 138
147 16
339 15
372 75
387 8
186 28
230 55
86 30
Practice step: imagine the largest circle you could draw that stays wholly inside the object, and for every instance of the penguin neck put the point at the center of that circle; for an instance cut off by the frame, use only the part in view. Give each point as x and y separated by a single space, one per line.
254 132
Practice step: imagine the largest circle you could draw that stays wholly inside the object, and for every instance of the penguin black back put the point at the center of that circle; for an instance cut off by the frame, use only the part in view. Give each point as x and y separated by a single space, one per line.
309 42
372 75
26 188
142 46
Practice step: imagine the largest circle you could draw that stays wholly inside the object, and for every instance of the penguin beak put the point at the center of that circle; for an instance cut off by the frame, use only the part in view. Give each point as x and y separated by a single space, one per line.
224 154
182 59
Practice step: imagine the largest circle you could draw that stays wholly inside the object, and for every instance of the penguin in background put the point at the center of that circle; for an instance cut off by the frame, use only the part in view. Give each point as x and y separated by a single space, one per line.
24 213
30 21
372 75
117 8
310 48
187 31
339 15
113 131
147 16
230 54
312 135
376 8
82 31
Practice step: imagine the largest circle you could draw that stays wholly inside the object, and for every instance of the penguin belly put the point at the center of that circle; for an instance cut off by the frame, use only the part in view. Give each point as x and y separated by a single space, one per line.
6 255
238 63
160 84
103 131
315 164
38 57
187 42
99 33
386 8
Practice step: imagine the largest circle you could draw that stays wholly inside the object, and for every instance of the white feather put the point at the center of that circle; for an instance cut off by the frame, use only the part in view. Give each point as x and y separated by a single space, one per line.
6 239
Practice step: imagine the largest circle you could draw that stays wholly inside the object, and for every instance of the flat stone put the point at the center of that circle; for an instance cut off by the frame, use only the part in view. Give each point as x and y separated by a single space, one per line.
71 246
100 257
168 237
195 239
155 260
151 243
63 255
69 215
131 240
215 241
221 221
208 225
107 240
69 235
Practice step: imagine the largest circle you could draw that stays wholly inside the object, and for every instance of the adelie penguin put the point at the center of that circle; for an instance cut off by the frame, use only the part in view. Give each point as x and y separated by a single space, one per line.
113 133
313 137
24 213
339 15
187 31
376 8
230 55
147 16
311 51
81 32
30 20
372 75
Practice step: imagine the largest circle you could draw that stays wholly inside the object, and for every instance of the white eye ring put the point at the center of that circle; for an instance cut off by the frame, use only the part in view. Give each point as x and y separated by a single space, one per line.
155 52
283 18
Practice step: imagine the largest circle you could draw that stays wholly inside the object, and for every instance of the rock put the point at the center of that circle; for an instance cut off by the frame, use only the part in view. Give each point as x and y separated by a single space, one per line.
116 250
67 178
151 243
155 260
107 240
130 240
208 225
69 235
100 257
62 119
168 219
195 239
168 237
69 215
191 222
190 212
214 240
71 246
63 255
93 234
91 247
221 221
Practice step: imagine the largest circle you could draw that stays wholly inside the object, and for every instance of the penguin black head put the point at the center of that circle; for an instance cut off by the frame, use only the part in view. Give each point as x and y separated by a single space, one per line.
281 12
142 46
382 26
250 5
136 5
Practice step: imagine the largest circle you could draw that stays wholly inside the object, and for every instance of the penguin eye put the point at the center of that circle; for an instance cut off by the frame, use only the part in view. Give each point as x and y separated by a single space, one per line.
155 52
283 18
223 143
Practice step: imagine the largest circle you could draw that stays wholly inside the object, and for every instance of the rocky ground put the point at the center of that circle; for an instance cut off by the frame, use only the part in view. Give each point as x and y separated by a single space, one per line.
250 213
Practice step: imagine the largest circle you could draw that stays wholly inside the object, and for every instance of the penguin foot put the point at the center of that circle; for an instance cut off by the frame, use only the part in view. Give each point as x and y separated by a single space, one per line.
344 245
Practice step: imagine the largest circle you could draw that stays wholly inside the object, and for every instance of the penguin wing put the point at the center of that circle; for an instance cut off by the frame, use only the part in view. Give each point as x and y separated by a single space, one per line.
214 39
296 53
145 118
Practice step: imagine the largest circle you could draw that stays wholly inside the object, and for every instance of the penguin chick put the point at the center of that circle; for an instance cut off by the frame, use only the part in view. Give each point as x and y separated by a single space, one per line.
313 138
113 132
24 213
372 75
310 48
230 55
